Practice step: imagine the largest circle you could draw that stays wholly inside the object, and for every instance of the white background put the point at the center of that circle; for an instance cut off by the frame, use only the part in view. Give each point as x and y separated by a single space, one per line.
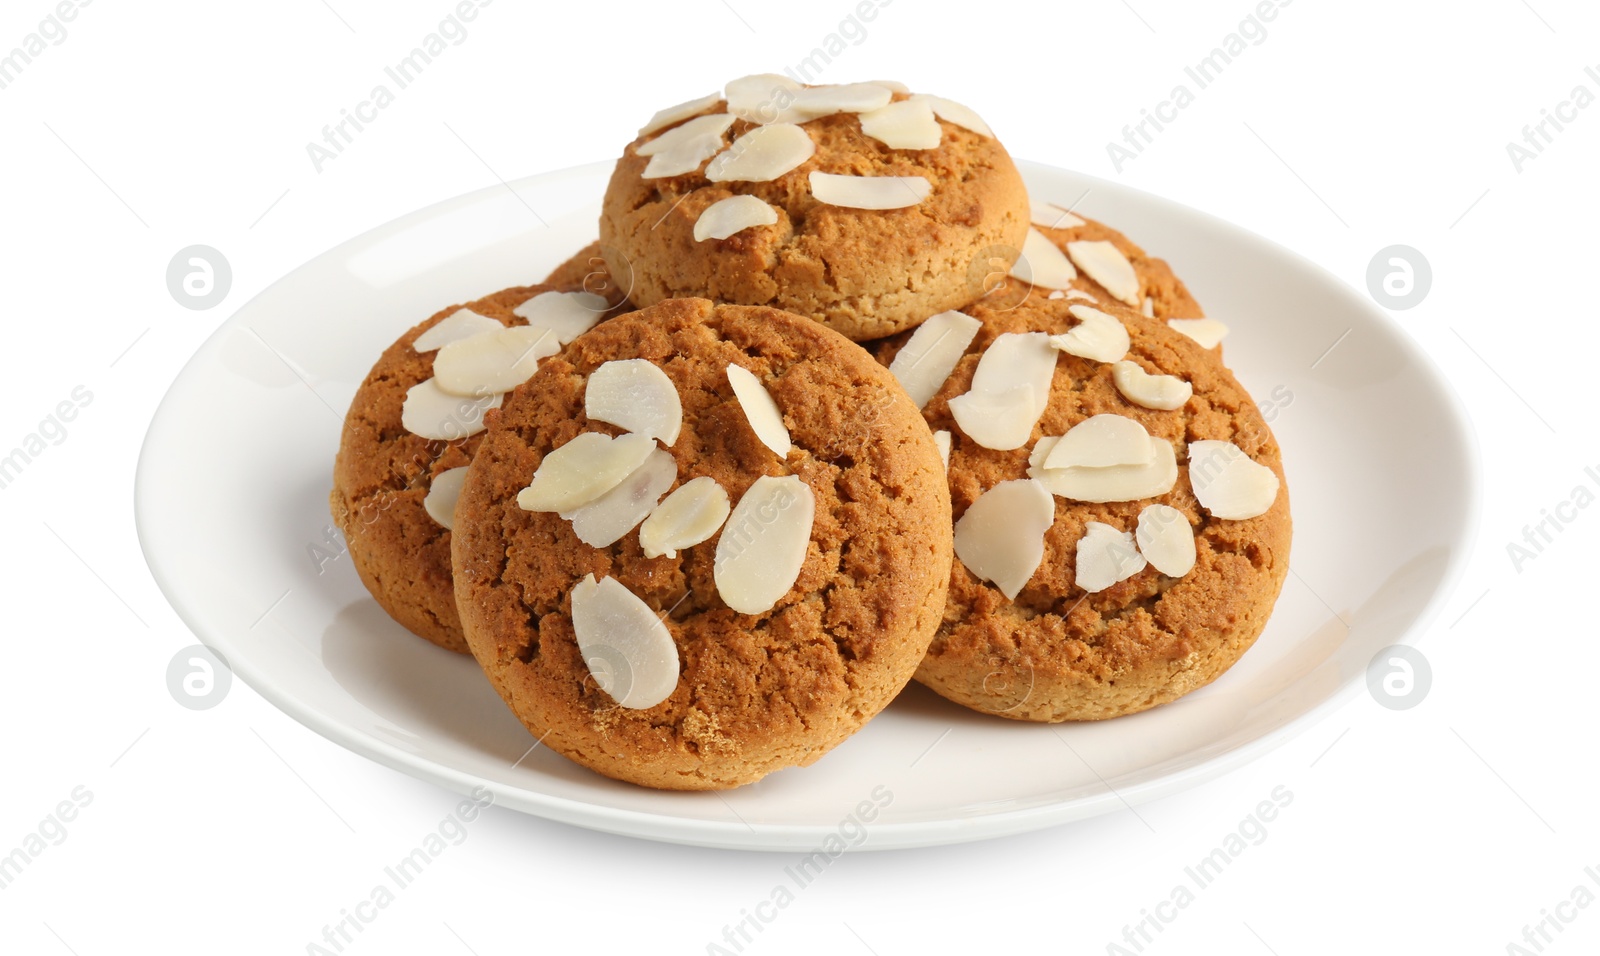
154 126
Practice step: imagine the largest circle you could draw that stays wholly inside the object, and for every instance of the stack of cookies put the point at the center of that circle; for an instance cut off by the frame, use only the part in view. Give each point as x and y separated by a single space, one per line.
832 405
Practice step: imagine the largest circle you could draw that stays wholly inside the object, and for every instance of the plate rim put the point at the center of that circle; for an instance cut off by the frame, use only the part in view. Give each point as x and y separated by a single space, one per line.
772 837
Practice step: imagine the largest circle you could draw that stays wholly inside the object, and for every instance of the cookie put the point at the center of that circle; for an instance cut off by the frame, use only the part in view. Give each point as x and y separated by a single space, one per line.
1098 255
383 475
848 602
1071 641
755 202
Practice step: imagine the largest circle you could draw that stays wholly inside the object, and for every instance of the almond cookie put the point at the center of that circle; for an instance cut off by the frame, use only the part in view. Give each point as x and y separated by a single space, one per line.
1121 522
703 543
861 206
393 488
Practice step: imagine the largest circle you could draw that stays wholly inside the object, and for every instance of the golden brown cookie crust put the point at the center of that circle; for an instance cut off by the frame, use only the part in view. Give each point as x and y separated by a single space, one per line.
1057 653
756 692
382 474
864 273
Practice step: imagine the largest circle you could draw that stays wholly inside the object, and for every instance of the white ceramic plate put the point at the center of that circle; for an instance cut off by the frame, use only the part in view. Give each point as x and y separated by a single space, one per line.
232 512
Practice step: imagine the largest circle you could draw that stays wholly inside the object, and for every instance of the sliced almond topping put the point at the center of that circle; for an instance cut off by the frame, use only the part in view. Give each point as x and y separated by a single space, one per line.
1000 537
927 360
952 112
624 643
869 192
908 124
445 489
941 438
1161 392
1010 390
762 155
763 545
690 515
713 125
458 325
682 111
493 361
1042 263
1080 294
431 412
760 410
1166 540
1054 217
1228 483
1103 262
725 217
567 314
1097 336
603 521
894 86
1208 332
1113 483
1101 441
1149 309
816 102
583 469
635 394
1105 556
762 98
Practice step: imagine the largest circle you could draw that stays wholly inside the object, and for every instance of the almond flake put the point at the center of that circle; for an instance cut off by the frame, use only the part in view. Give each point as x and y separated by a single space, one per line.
567 314
493 361
941 439
431 412
762 155
683 148
1101 441
926 361
1228 483
816 102
1097 336
1105 556
1166 540
1208 332
1103 262
725 217
690 515
952 112
443 492
603 521
760 410
1054 217
763 98
894 86
869 192
1113 483
764 543
908 124
1162 392
1000 537
1010 390
624 643
682 111
634 394
583 469
1149 309
458 325
1042 263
